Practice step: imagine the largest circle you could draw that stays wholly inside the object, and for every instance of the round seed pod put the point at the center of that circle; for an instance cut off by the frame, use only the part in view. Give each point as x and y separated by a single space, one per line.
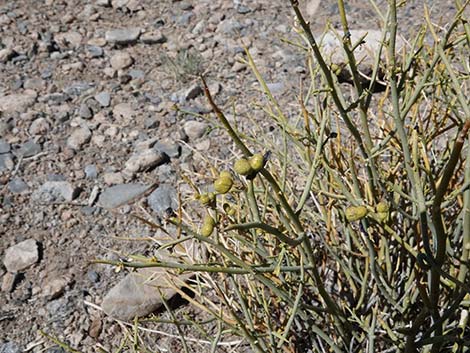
223 184
225 173
355 213
207 226
243 167
382 207
257 162
207 198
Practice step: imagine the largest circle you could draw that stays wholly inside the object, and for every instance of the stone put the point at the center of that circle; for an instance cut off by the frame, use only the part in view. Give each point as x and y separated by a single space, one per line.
311 8
169 147
8 282
40 126
123 36
53 288
192 92
91 171
154 37
95 51
4 146
118 195
78 138
17 102
104 3
145 160
21 256
123 111
162 199
85 112
332 50
113 178
55 191
238 66
121 60
6 54
194 129
6 162
103 98
17 186
10 347
137 294
28 149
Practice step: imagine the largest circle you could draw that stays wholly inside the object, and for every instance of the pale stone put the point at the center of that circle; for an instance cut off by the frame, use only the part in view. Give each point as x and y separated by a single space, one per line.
21 256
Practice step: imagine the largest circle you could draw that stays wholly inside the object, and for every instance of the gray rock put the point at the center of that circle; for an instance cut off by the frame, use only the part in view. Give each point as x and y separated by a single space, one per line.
6 54
103 98
4 146
95 51
21 256
54 287
91 171
8 282
118 195
85 111
93 276
6 162
194 129
28 149
113 178
123 36
171 149
104 3
40 126
55 191
17 102
136 295
78 138
121 60
145 160
229 26
17 186
192 92
135 74
9 347
243 9
163 198
77 88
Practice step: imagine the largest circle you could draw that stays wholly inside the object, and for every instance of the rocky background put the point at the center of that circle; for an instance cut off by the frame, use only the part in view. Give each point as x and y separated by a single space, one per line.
89 135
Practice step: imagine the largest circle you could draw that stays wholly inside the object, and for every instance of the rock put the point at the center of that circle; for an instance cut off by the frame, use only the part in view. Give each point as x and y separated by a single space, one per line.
78 138
8 283
28 149
17 186
6 54
17 102
123 111
169 147
155 37
242 9
40 126
238 66
229 26
194 129
85 112
10 347
103 98
123 36
192 92
162 199
21 256
311 8
104 3
136 295
95 328
4 146
95 51
118 195
53 288
113 178
121 60
55 191
145 160
91 171
365 53
93 276
6 162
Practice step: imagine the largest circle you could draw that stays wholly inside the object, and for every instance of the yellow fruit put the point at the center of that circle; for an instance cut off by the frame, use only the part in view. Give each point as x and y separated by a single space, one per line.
355 213
223 184
382 207
226 174
207 226
207 198
257 162
243 167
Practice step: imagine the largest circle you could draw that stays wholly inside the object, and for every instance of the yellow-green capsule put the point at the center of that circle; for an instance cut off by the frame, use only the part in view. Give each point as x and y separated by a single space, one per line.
355 213
257 162
223 184
225 174
382 207
243 167
207 226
